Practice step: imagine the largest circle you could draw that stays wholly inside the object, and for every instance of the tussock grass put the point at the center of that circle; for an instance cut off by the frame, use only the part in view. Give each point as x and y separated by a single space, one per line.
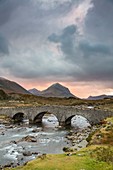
104 135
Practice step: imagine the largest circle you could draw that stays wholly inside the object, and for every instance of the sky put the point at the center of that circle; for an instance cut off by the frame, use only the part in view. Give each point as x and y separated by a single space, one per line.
67 41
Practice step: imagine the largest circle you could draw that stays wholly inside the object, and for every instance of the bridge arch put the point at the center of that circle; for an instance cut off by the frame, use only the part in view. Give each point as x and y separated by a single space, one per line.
68 120
38 118
77 119
18 117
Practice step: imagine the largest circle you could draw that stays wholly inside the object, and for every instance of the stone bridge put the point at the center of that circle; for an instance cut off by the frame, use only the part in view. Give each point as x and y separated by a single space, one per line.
64 114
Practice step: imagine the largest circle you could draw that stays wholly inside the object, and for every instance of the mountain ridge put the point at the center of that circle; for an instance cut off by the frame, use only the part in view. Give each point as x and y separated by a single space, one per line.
55 90
100 97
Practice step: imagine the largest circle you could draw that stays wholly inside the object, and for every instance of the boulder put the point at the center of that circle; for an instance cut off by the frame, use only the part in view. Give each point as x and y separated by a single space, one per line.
36 130
28 139
27 153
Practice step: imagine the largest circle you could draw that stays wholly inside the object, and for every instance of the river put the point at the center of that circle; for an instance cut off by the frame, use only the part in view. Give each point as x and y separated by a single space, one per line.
49 139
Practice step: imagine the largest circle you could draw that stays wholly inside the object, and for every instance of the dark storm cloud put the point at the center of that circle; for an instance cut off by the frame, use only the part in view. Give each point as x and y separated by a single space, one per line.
7 7
3 46
26 24
90 49
99 22
31 19
93 58
36 7
66 40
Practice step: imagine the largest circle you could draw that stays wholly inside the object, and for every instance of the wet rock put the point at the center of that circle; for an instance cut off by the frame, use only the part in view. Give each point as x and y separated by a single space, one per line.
10 127
67 149
79 146
35 153
73 144
27 153
36 130
69 154
2 133
28 139
43 156
25 163
70 133
70 137
8 165
13 142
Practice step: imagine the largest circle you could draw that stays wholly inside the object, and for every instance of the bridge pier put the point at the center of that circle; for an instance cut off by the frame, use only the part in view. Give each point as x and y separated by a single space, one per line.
62 123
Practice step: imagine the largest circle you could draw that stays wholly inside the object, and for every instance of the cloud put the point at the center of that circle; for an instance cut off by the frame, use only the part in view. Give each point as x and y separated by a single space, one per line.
93 59
3 46
99 23
33 65
91 49
53 40
7 8
66 40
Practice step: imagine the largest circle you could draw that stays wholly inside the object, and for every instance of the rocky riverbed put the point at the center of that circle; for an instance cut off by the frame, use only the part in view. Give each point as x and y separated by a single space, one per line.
79 137
22 143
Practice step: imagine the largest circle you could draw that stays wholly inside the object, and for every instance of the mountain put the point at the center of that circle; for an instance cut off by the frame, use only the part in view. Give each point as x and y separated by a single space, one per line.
35 91
11 87
100 97
55 90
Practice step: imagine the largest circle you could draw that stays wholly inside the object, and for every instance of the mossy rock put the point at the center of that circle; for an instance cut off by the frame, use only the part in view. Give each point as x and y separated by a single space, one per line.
67 149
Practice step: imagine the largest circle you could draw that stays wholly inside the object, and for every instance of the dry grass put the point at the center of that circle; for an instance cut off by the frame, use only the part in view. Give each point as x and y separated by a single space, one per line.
104 135
31 100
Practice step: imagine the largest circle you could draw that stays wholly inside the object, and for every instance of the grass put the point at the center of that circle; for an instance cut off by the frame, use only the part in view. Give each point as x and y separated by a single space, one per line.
64 162
104 135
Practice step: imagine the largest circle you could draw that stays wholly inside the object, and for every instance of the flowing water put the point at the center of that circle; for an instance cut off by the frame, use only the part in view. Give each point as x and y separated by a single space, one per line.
50 139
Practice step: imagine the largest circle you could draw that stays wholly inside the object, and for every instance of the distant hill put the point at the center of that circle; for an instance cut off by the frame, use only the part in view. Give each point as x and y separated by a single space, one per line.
35 91
55 90
100 97
11 87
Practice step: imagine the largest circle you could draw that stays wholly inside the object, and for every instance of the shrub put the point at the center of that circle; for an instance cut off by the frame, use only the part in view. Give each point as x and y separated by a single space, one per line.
103 154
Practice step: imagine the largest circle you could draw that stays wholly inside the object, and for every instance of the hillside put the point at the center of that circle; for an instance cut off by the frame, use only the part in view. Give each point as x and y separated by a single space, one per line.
3 95
11 87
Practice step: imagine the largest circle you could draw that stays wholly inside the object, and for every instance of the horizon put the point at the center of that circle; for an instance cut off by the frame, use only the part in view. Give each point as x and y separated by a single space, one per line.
73 90
47 41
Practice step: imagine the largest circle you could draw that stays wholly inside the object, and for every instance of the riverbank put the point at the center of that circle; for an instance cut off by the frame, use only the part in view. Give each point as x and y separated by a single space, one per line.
77 161
98 155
